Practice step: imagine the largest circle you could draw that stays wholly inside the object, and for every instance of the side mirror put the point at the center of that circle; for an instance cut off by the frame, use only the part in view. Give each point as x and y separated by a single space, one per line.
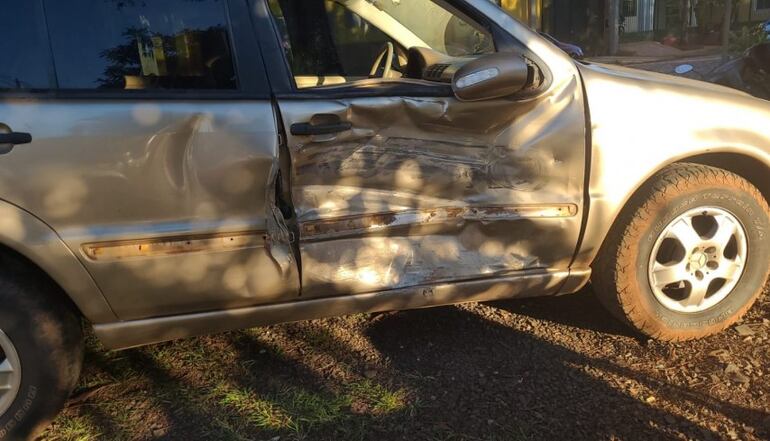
491 76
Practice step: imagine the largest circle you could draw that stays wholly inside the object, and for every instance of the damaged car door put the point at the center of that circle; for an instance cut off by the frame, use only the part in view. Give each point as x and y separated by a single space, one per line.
395 182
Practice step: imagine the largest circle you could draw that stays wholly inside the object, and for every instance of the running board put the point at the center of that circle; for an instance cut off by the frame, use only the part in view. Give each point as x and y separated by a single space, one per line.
122 335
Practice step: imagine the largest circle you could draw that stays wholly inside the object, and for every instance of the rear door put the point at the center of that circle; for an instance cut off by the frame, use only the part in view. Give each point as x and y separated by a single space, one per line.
409 186
154 151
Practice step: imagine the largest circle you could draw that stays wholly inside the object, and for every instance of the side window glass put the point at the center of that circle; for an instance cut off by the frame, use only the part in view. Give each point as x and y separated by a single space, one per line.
133 44
445 32
25 54
355 39
321 38
461 39
337 41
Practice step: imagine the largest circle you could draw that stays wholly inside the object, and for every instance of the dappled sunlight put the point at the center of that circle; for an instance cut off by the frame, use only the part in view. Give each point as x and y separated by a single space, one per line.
379 263
429 190
240 181
66 198
194 216
409 176
146 114
11 223
479 371
156 175
236 277
676 116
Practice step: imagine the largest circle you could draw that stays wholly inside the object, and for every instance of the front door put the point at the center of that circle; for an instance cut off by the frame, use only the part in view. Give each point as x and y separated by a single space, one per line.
396 183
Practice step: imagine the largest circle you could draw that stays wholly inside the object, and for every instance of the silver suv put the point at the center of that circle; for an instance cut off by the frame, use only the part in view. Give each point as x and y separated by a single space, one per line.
175 168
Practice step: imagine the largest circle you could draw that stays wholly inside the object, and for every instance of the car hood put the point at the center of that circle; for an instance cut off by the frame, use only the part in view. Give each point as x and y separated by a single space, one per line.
659 80
642 109
569 47
642 121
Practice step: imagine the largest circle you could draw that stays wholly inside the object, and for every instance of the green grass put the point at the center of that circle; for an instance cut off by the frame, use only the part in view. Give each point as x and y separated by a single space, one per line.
216 388
378 398
76 428
311 408
299 410
259 412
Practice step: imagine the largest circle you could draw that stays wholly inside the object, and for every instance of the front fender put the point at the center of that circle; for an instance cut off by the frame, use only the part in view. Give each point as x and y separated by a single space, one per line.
642 122
32 238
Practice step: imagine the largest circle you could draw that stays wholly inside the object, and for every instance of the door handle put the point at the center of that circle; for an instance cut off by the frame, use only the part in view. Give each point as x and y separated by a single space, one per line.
10 139
15 138
306 128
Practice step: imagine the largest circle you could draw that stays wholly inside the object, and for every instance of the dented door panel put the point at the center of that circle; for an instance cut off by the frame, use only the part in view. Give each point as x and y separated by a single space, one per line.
429 190
169 205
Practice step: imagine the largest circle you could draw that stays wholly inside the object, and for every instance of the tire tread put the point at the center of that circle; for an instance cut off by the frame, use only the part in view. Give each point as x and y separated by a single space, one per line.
614 285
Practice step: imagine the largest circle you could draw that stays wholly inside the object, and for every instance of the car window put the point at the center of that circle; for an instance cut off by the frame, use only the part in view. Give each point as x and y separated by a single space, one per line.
445 31
337 41
355 39
139 44
25 55
322 38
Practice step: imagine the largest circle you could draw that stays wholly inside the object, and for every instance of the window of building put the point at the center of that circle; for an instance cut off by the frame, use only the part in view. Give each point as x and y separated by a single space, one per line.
135 44
23 47
629 8
762 4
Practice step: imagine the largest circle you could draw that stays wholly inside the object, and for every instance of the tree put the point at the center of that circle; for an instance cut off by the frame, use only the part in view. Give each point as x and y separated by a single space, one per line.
685 13
532 10
727 20
613 22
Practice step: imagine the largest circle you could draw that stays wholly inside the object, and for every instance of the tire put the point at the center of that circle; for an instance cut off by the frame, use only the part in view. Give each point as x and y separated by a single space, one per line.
47 336
626 270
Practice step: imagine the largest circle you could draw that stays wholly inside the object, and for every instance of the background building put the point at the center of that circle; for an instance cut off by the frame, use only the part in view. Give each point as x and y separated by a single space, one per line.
584 22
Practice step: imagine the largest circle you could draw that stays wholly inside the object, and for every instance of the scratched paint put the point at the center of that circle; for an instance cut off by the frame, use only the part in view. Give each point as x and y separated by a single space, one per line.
422 190
431 220
395 262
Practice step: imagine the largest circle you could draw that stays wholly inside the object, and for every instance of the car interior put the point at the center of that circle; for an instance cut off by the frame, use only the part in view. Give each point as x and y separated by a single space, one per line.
333 42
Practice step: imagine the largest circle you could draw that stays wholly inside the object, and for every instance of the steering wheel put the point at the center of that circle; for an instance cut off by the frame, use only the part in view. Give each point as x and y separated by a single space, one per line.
386 54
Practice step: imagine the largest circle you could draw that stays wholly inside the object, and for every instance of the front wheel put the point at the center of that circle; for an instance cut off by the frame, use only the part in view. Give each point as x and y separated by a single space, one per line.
689 256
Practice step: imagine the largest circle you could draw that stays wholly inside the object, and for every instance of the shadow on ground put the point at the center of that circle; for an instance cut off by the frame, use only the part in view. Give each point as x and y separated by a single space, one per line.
533 369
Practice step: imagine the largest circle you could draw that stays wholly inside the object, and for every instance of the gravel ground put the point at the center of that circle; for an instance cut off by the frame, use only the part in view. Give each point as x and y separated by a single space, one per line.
554 368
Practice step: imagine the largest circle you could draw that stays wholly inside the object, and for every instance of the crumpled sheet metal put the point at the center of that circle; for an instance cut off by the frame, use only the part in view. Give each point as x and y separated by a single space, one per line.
396 262
430 221
435 148
392 202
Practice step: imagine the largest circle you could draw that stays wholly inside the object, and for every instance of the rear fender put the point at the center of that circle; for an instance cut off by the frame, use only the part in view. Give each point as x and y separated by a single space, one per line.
32 238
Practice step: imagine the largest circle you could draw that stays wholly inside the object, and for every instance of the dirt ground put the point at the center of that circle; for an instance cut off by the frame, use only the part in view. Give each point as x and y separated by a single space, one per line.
552 368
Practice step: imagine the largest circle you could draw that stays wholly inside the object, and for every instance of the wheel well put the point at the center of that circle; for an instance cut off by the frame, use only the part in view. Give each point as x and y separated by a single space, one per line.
744 166
751 169
20 267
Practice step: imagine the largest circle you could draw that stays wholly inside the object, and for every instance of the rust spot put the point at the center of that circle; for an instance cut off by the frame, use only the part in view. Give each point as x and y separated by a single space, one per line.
105 251
371 223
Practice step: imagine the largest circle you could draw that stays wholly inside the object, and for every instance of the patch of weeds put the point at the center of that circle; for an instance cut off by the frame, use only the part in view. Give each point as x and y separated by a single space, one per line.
69 427
367 395
261 413
312 409
320 339
301 411
185 354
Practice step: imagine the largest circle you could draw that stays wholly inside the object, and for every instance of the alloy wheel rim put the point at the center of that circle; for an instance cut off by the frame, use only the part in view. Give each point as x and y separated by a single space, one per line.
698 260
10 373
